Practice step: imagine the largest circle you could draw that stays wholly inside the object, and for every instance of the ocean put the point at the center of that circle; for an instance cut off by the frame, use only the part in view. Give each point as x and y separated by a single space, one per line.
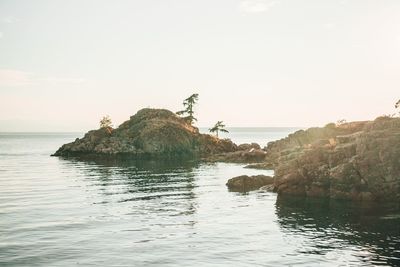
64 212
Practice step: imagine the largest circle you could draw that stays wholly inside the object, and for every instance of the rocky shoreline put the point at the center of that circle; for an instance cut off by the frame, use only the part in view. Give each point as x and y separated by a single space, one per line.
357 161
361 165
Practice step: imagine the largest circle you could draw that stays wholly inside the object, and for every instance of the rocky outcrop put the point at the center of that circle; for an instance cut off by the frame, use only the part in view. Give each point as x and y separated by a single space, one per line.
243 156
248 147
149 133
312 137
246 183
359 161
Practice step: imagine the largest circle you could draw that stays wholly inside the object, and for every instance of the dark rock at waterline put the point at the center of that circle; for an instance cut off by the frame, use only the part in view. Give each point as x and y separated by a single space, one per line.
260 166
268 188
246 153
249 156
246 183
248 147
149 133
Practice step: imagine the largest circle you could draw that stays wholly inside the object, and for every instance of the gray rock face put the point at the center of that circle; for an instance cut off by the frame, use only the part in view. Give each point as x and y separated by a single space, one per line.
363 165
149 133
246 183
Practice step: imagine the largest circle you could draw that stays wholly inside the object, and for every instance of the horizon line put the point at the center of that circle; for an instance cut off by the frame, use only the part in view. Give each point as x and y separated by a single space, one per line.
201 127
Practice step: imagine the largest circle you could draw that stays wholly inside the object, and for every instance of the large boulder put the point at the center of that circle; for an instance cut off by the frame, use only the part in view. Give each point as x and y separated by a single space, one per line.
149 133
362 166
246 183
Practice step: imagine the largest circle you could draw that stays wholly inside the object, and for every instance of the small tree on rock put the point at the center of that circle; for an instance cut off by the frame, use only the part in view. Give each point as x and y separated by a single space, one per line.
188 104
397 105
218 127
106 122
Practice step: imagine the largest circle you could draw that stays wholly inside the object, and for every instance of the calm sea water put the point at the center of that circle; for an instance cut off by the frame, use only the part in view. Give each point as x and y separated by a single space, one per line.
58 212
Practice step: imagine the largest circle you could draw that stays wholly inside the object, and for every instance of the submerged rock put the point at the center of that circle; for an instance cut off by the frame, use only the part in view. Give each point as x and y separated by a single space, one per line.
246 183
149 133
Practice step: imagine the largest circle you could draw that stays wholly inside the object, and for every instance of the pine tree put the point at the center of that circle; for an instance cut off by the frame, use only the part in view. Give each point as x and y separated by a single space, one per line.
218 127
188 104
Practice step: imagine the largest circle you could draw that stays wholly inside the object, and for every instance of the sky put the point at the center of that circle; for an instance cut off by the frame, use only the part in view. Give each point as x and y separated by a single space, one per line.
258 63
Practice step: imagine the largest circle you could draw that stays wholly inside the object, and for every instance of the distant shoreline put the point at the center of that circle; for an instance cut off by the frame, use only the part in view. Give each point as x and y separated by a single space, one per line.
200 128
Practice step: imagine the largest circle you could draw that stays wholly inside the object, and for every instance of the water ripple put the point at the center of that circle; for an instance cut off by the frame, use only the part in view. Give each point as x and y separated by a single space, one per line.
58 212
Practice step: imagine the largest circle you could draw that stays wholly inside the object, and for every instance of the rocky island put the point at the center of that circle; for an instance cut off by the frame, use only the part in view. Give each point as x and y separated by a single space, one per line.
147 134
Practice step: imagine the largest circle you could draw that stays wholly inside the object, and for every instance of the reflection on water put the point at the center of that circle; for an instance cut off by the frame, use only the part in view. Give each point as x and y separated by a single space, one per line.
371 233
98 212
124 180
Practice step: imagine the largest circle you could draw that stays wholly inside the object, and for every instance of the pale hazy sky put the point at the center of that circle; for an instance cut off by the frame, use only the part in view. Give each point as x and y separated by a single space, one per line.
64 64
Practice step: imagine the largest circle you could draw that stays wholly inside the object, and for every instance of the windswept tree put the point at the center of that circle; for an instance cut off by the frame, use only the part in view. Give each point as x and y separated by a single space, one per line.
106 122
397 105
188 104
218 127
